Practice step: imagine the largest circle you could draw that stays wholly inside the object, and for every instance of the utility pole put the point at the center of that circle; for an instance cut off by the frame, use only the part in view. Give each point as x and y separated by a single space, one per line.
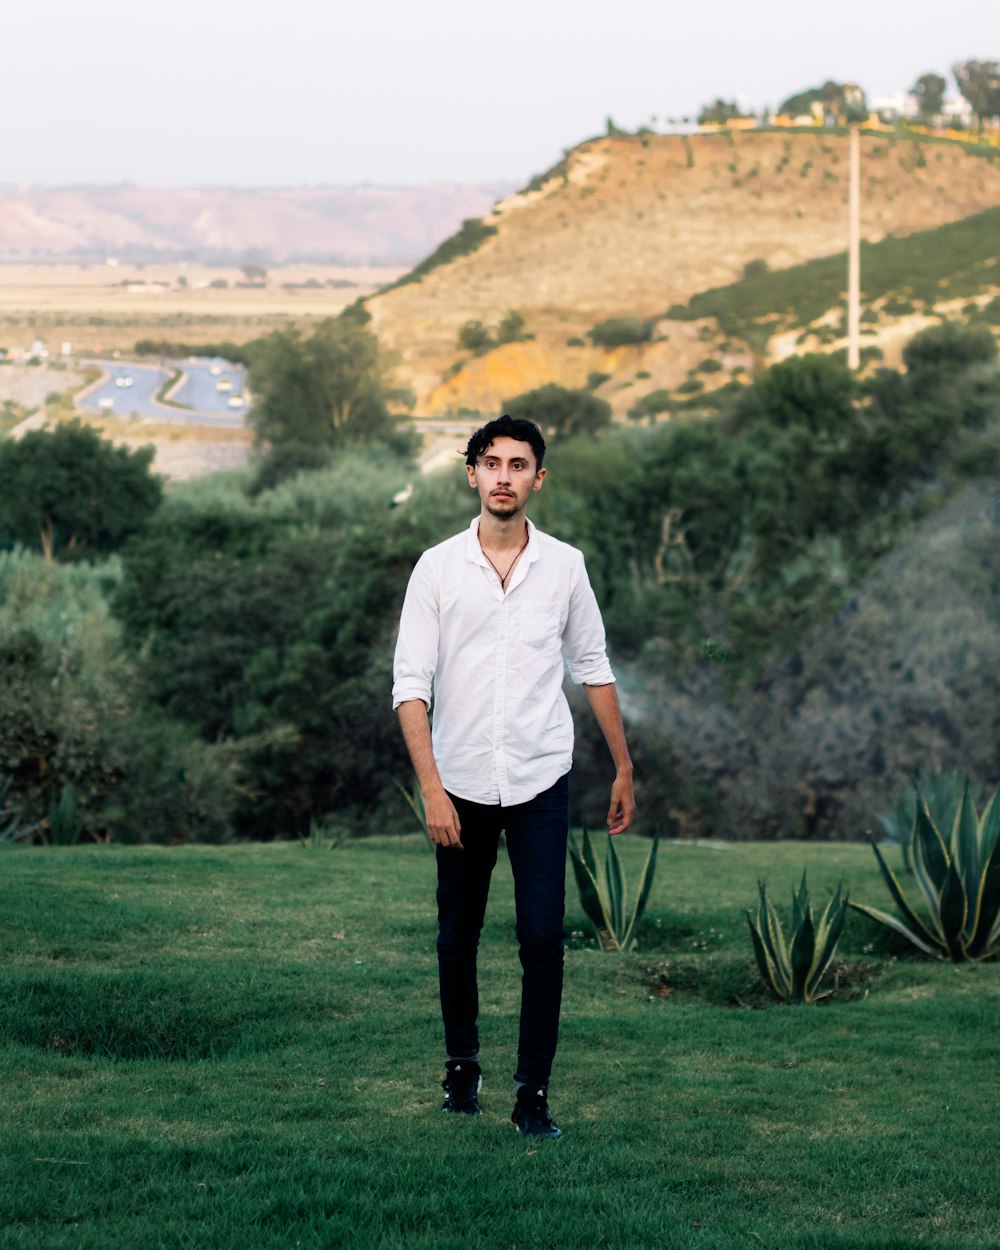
854 247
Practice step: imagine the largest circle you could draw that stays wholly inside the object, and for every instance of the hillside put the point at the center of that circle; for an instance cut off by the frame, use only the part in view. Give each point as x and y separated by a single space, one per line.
633 225
340 225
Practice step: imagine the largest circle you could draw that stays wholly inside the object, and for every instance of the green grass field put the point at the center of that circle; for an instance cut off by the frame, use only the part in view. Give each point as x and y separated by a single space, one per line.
239 1047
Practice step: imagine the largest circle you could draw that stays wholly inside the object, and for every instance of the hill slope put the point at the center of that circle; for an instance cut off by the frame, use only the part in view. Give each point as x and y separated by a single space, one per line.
635 224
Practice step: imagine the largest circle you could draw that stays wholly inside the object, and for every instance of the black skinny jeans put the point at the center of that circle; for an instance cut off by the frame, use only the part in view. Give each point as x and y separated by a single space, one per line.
536 843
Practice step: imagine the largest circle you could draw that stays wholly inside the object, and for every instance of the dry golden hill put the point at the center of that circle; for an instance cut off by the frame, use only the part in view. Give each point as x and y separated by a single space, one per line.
630 225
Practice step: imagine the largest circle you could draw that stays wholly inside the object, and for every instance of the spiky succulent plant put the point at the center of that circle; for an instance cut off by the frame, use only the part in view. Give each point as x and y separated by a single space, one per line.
603 892
793 967
959 879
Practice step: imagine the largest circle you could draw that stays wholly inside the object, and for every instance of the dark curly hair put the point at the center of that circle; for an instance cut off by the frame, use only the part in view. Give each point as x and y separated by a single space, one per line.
519 428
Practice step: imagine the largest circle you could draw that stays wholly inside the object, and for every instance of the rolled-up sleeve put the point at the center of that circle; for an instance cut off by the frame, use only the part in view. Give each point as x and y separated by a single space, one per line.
583 641
417 643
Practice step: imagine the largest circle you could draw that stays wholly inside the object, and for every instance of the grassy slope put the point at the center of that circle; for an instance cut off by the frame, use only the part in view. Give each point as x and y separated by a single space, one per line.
634 225
265 1027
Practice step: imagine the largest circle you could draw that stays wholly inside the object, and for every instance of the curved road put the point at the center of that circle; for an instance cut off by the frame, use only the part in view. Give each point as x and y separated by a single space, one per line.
198 391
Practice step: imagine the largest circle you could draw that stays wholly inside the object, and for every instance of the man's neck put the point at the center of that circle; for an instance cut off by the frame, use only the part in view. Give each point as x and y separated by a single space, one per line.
502 533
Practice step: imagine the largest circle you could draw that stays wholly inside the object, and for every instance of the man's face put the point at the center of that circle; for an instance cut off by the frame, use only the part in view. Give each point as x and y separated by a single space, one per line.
505 476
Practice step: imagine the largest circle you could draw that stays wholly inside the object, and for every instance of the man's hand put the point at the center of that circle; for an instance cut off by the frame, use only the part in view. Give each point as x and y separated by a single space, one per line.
622 803
443 825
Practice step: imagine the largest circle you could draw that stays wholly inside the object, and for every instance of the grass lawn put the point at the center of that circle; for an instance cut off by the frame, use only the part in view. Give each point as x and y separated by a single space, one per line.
238 1048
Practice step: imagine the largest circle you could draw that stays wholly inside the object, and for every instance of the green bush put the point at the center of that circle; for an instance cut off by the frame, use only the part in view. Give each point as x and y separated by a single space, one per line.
473 336
561 412
620 332
655 402
511 328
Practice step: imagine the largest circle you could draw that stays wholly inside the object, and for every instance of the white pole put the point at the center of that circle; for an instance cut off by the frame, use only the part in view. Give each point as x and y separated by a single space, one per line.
854 249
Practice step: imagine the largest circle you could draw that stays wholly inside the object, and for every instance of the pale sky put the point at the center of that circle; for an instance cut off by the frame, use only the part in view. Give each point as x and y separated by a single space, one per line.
404 92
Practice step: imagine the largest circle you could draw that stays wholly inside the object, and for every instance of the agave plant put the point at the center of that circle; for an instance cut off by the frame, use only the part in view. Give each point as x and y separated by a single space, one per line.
65 825
942 792
793 967
415 801
959 879
603 892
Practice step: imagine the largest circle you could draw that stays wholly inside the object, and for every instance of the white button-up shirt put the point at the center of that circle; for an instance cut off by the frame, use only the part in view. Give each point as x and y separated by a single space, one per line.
502 730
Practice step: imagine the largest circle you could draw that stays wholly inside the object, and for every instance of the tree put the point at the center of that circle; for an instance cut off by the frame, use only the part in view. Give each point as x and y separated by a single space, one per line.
560 412
319 393
929 93
946 350
72 493
979 82
831 96
720 111
254 273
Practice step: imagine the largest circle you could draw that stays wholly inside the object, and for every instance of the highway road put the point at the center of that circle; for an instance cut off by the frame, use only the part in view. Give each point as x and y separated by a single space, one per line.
129 391
211 385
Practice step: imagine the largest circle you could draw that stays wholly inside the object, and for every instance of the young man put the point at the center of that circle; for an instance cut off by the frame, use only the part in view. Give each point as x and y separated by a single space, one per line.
488 620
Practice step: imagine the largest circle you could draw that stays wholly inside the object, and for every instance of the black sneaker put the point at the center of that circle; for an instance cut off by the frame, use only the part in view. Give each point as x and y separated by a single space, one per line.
461 1086
531 1114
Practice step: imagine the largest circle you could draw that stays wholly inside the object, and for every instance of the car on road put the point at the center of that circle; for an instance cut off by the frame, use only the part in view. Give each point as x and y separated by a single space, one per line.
106 404
236 401
224 384
126 379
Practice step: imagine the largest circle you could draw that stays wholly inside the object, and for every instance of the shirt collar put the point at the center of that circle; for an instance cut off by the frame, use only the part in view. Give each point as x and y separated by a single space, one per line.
474 552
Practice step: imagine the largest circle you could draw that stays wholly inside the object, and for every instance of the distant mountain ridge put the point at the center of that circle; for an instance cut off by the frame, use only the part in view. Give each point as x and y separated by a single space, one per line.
365 225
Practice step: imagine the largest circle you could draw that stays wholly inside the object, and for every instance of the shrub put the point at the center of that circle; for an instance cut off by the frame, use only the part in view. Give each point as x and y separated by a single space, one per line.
711 365
756 268
575 342
620 332
511 328
594 380
561 412
655 402
473 336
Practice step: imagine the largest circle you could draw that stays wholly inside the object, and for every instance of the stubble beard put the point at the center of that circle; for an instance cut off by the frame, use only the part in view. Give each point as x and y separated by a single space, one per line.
504 510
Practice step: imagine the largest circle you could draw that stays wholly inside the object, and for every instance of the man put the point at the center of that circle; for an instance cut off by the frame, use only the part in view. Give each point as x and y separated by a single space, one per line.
488 619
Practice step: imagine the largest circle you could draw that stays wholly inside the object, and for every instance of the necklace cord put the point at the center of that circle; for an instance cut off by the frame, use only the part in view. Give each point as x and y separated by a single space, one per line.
503 576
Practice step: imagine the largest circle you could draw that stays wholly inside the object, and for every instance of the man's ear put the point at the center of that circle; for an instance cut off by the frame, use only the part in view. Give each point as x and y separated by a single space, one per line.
539 478
470 470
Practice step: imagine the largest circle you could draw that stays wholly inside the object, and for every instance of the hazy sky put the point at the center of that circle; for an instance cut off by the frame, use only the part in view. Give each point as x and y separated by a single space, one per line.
291 92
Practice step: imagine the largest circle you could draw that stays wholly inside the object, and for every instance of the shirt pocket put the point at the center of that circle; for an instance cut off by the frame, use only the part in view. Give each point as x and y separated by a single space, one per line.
540 625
